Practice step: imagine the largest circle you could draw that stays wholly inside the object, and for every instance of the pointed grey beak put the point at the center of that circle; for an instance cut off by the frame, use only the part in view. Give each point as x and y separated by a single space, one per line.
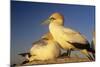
47 21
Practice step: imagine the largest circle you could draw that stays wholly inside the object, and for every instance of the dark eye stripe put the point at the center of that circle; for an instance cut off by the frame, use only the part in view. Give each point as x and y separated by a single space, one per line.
52 18
45 38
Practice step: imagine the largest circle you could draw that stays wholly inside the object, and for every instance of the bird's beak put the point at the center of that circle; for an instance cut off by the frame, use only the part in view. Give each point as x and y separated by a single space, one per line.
47 21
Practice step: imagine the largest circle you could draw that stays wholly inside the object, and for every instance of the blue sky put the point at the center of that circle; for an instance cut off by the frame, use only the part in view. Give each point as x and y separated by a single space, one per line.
26 19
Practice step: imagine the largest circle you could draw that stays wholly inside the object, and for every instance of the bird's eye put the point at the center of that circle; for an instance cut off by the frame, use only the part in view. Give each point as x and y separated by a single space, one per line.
52 18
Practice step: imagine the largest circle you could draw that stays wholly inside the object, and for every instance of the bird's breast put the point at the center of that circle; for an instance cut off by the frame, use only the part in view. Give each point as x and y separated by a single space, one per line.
56 31
59 35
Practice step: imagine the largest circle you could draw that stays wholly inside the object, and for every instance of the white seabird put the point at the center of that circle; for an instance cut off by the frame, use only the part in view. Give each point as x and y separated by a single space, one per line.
44 49
93 43
67 38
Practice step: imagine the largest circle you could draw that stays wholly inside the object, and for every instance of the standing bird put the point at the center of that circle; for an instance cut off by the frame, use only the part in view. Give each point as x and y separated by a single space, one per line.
44 49
67 38
93 43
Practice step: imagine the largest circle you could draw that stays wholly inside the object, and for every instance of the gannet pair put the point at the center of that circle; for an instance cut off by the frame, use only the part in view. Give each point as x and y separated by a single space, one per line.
67 38
44 49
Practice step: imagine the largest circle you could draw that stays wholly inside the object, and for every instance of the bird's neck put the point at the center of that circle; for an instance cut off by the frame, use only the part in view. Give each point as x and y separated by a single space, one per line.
55 24
51 42
54 29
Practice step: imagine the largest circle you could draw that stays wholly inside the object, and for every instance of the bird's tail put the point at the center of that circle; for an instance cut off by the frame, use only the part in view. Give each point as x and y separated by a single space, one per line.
87 53
92 52
24 54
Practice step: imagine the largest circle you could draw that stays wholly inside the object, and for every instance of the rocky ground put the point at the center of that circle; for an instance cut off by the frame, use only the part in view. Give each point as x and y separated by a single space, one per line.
59 60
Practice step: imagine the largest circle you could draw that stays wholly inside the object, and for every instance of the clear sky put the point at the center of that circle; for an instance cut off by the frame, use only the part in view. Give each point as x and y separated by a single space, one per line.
26 19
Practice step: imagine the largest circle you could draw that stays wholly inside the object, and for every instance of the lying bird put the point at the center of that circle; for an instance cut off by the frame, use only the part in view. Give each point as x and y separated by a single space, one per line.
44 49
67 38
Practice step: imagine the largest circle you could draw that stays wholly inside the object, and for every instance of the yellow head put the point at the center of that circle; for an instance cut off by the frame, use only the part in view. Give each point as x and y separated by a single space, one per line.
47 36
56 18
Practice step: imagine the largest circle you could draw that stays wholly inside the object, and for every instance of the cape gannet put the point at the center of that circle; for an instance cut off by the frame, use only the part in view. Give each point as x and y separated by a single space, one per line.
93 43
44 49
67 38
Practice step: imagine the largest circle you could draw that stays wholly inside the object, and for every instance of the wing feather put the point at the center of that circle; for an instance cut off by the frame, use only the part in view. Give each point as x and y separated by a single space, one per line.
74 36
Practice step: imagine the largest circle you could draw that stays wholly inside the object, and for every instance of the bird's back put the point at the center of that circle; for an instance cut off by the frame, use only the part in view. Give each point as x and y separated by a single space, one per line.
74 36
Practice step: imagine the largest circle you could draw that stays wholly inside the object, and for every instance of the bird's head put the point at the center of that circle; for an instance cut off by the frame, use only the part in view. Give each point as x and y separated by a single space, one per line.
56 18
47 36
